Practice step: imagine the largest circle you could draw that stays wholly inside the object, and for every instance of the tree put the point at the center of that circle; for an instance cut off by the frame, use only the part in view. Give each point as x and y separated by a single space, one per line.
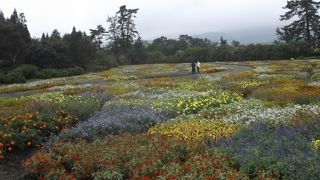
306 25
14 40
2 18
223 42
138 52
122 31
55 35
97 35
80 49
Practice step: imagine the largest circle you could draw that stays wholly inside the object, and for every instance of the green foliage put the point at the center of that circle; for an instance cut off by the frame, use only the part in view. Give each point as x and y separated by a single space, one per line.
14 40
305 28
27 70
51 73
13 77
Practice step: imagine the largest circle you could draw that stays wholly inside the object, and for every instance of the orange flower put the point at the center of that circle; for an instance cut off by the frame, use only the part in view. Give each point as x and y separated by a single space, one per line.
30 116
1 145
12 142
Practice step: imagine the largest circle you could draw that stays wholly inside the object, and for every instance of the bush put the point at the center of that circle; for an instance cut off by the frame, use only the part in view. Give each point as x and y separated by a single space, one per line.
49 73
13 77
27 70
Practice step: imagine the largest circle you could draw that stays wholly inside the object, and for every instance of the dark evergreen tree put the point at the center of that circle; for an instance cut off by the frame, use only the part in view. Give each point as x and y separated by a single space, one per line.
2 18
55 35
306 24
138 52
97 35
80 49
122 32
14 18
14 40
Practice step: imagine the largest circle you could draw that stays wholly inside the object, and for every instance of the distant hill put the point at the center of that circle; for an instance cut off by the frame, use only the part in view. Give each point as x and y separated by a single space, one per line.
256 35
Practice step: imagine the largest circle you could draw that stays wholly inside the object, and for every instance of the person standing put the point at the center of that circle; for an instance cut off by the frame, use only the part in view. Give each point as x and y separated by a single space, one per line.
198 67
193 66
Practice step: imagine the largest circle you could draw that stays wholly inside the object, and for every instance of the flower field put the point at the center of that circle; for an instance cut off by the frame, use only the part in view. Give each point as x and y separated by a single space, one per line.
248 120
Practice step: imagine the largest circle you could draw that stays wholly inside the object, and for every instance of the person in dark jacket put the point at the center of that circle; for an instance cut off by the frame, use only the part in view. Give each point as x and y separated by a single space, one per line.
193 66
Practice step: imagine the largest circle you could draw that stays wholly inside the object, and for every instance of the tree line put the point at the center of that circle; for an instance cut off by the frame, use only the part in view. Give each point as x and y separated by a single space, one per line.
53 55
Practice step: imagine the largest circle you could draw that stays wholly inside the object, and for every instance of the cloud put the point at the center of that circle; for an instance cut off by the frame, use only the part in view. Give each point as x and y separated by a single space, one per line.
155 17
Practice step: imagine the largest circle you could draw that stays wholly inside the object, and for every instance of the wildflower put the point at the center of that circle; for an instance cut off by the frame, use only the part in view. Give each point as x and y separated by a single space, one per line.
30 116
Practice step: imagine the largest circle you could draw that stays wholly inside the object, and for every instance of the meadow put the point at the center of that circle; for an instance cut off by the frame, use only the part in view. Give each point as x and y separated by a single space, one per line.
248 120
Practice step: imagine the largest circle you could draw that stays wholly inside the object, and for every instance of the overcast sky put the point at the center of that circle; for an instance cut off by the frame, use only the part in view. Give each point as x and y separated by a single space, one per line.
155 17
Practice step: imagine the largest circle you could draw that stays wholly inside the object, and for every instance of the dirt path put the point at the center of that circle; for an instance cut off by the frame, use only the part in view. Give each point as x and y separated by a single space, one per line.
234 68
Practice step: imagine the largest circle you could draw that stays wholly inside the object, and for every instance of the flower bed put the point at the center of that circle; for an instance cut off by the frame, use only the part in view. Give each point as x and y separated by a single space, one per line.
132 157
21 131
194 128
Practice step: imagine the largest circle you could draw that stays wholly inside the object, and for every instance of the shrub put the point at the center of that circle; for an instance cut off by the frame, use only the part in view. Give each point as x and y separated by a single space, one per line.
14 77
27 70
49 73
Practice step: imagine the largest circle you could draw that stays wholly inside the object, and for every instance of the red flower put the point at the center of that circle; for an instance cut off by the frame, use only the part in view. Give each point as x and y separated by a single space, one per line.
156 172
144 178
187 168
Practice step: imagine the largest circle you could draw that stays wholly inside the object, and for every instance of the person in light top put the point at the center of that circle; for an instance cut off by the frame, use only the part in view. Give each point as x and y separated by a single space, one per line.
198 67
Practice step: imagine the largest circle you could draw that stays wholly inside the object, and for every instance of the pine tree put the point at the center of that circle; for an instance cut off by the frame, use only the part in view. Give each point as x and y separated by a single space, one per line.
306 25
97 35
122 31
14 18
2 18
